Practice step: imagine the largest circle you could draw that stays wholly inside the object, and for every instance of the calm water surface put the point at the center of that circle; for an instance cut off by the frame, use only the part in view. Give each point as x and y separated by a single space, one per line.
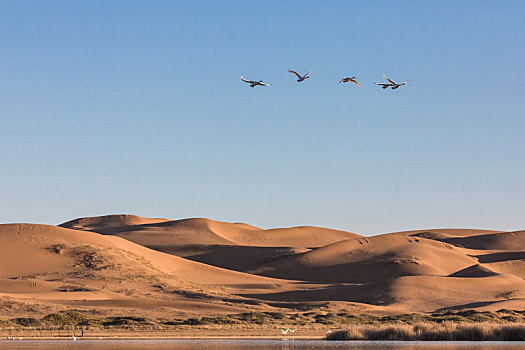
254 344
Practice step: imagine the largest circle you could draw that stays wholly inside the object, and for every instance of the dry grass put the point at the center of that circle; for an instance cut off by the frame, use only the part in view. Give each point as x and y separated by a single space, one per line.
505 325
434 331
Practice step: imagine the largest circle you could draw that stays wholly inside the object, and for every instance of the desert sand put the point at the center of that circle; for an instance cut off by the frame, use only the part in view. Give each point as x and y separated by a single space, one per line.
129 265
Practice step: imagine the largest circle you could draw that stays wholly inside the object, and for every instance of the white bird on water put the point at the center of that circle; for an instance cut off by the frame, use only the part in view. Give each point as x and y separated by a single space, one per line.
288 330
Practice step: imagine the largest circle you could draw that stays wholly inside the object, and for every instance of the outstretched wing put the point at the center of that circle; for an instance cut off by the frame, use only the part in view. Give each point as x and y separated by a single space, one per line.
294 72
308 73
383 84
246 81
342 81
355 82
264 84
406 81
390 81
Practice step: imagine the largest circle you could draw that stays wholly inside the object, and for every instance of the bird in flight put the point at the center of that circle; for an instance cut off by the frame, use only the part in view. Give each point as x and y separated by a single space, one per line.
346 80
254 83
299 76
392 84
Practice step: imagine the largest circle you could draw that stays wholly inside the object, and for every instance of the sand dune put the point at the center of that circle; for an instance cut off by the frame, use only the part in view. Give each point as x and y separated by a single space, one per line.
54 249
435 293
129 264
495 241
58 266
372 259
99 222
199 231
441 234
237 246
512 266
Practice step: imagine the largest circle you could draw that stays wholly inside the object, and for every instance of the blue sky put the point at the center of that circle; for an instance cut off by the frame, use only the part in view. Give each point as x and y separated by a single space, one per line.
137 107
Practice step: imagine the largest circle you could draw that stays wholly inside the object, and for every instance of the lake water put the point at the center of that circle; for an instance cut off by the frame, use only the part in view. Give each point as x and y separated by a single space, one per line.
254 345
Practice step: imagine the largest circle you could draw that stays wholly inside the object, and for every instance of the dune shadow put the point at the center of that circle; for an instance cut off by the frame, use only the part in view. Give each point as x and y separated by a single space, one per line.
376 269
242 258
497 257
467 306
373 293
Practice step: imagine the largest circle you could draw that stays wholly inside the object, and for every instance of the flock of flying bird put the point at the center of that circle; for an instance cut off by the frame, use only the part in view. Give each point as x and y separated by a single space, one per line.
391 84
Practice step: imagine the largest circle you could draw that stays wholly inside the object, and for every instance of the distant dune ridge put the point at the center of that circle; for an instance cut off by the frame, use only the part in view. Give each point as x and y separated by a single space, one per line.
126 264
206 231
235 246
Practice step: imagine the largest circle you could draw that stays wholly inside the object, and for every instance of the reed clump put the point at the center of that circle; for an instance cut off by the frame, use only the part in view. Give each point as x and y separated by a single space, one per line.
434 331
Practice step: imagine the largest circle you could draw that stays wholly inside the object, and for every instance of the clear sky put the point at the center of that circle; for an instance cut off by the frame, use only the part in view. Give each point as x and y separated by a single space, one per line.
137 107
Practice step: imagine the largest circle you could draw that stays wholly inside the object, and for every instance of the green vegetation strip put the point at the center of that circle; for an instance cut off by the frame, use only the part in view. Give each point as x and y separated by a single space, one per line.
459 325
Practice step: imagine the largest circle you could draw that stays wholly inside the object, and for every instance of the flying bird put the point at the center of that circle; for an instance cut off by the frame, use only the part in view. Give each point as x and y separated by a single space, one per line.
391 84
299 76
254 83
346 80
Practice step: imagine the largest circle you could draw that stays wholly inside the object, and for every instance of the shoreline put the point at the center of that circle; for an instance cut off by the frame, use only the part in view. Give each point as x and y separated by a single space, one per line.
227 338
455 332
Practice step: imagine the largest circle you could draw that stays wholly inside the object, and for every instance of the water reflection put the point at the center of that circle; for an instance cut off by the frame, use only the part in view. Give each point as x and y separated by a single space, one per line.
287 344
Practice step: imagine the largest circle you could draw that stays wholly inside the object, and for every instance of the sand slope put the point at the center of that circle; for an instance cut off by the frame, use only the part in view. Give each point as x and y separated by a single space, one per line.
495 241
412 270
372 259
199 231
235 246
55 267
54 249
128 264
